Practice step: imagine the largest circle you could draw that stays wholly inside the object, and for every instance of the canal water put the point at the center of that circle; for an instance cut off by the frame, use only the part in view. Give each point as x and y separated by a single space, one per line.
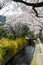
25 57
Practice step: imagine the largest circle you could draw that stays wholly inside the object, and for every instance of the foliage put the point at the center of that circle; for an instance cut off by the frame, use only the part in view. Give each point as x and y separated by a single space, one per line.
3 51
10 46
31 33
2 32
9 34
6 33
21 30
21 42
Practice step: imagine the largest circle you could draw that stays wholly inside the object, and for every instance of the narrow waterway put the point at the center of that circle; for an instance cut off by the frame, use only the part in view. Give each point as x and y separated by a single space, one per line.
25 57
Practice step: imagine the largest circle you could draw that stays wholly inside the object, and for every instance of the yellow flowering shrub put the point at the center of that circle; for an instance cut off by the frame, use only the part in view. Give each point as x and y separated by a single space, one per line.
21 42
1 58
11 45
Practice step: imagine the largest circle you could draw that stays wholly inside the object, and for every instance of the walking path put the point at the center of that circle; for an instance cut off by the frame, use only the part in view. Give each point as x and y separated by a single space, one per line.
38 55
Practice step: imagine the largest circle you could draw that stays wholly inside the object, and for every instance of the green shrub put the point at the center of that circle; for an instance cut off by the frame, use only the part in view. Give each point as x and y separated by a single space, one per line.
21 30
11 47
10 35
2 32
6 33
3 51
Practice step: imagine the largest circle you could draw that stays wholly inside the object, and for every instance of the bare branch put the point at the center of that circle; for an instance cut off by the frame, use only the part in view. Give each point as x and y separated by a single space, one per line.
40 4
